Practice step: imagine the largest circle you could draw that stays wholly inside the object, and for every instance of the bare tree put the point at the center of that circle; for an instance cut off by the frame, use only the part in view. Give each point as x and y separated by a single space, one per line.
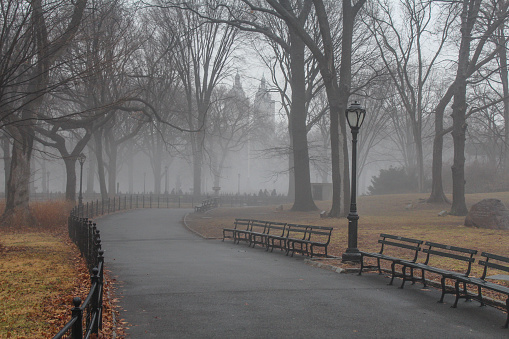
202 55
408 61
33 43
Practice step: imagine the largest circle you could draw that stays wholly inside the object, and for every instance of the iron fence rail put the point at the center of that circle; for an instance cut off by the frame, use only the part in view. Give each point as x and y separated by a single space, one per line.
86 317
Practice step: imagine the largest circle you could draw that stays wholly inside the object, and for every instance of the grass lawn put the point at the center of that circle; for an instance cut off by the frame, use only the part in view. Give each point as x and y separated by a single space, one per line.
37 272
40 272
378 214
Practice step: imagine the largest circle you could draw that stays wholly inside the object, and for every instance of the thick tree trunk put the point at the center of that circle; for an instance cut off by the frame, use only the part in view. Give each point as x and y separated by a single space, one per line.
112 169
197 163
437 189
303 197
505 86
459 206
70 170
130 167
17 211
92 165
291 173
100 164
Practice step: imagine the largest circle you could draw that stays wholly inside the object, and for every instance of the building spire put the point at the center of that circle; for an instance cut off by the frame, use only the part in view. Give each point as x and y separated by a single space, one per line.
237 80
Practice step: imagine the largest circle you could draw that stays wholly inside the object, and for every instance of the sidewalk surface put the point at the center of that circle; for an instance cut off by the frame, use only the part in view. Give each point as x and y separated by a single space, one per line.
174 284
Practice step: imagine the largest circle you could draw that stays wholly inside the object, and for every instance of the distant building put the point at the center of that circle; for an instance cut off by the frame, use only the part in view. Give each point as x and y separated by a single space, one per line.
264 108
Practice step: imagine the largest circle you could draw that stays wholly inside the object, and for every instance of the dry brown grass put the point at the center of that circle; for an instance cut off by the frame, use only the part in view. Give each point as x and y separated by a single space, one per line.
39 270
378 214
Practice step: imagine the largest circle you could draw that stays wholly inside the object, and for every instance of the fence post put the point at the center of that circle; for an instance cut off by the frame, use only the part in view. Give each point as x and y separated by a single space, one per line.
100 263
143 200
94 279
150 200
77 328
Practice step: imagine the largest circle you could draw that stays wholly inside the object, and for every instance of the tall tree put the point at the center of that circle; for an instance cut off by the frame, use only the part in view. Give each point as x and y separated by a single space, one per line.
408 61
203 55
37 26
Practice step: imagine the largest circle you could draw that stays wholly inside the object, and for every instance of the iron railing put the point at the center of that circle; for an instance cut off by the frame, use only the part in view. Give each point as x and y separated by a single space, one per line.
86 317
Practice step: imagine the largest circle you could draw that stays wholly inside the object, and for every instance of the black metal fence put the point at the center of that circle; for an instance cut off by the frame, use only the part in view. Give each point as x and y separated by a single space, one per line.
93 208
86 317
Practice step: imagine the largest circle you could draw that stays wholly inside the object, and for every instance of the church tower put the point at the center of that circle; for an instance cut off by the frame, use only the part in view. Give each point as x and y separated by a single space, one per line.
264 108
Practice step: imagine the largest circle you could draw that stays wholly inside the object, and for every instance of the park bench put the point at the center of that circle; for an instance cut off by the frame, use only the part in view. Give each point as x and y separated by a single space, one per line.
265 230
276 236
439 255
314 236
238 225
295 233
394 249
206 205
495 264
257 232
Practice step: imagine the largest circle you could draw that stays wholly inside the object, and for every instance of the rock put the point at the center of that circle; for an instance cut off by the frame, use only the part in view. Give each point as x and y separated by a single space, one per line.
490 214
443 213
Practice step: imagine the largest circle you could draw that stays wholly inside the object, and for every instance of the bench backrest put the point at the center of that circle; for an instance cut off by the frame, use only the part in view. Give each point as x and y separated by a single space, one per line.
296 231
276 228
453 252
258 226
494 261
242 224
320 234
414 245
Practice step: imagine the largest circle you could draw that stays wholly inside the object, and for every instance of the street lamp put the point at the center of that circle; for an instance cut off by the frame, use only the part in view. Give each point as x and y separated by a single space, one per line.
166 180
355 117
81 159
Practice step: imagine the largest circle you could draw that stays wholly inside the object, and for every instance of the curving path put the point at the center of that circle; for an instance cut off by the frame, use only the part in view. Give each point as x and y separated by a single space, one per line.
175 284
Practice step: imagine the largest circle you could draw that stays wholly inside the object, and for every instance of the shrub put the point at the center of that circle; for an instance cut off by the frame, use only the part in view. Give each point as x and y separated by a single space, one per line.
393 180
51 214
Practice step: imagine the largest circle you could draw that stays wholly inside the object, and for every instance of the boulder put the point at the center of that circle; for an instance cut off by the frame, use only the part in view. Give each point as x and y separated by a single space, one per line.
488 213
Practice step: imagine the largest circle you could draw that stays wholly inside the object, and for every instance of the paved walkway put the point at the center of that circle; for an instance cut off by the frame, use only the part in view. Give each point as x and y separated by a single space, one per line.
175 284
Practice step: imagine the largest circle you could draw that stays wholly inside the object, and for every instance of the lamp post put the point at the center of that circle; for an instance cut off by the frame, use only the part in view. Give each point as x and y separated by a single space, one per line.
166 180
355 117
81 159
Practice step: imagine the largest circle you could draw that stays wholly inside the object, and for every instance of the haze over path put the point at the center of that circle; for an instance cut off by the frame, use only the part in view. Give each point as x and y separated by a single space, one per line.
174 284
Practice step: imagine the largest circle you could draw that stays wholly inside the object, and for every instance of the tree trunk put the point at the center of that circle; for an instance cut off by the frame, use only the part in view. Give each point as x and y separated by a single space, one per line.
92 165
303 197
505 86
197 163
6 148
100 164
130 167
112 169
437 189
291 173
70 170
17 211
459 206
